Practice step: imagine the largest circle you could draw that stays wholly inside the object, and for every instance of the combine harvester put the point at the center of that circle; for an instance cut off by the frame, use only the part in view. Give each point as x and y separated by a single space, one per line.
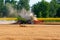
30 19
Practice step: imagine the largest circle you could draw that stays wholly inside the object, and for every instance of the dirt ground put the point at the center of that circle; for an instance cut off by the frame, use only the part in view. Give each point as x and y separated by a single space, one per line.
30 32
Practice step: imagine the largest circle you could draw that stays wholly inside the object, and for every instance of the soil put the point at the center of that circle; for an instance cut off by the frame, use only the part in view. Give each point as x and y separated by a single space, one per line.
29 32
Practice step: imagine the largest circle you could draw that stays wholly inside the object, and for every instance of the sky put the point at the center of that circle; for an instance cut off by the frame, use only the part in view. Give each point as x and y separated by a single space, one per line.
32 2
36 1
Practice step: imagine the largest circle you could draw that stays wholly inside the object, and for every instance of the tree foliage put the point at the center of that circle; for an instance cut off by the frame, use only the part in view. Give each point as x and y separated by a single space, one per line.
1 8
45 9
23 4
53 8
41 9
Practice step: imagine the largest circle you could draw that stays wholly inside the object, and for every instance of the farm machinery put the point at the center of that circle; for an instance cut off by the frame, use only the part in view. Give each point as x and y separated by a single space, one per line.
32 20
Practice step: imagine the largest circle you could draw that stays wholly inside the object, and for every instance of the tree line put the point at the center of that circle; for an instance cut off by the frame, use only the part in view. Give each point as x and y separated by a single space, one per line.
8 6
42 9
45 9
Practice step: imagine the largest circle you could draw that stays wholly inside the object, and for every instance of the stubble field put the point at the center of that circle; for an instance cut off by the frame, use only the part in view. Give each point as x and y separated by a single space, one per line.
30 32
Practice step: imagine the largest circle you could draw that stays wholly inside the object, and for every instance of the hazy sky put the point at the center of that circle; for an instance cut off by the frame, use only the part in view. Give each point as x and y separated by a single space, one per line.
36 1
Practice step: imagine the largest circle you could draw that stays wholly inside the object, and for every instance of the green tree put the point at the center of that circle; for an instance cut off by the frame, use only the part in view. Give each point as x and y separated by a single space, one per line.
10 5
5 11
53 8
7 1
23 4
1 7
58 11
12 2
41 9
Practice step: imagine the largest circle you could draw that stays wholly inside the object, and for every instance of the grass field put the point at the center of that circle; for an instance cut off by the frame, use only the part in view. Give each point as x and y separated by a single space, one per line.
30 32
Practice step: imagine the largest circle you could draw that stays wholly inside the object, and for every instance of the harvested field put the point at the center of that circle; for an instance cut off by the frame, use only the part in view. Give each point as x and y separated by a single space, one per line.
30 32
